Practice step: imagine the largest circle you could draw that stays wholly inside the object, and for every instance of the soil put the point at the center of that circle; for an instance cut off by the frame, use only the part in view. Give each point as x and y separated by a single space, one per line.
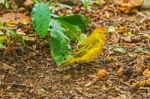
32 73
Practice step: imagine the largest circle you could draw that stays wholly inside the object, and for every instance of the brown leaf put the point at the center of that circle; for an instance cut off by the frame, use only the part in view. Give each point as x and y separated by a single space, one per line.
128 6
146 73
101 73
28 2
7 16
9 48
18 17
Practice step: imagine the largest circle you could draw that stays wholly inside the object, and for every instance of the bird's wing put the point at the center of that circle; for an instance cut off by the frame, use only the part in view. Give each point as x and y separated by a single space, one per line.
88 43
85 48
81 53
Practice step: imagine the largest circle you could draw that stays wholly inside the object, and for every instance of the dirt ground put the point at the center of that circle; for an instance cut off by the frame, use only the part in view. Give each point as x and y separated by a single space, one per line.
32 73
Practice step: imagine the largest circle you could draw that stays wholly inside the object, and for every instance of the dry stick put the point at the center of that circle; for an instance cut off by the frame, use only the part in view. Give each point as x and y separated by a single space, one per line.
26 64
142 15
31 48
7 66
137 27
91 83
81 92
16 84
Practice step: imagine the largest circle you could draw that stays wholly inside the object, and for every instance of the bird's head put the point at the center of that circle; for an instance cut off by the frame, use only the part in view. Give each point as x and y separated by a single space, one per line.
100 33
100 30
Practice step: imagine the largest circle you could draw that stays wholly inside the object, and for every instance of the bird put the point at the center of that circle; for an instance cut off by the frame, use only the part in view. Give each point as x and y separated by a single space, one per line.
89 49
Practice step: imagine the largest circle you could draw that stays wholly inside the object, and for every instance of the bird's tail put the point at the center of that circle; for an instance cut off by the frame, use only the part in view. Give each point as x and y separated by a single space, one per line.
67 62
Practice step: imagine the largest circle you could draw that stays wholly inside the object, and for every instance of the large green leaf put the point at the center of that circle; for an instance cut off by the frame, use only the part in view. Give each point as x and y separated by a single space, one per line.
5 3
77 20
41 17
2 1
72 31
59 43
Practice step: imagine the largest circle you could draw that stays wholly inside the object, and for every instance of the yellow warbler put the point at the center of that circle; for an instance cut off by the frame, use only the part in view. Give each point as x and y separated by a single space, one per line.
89 49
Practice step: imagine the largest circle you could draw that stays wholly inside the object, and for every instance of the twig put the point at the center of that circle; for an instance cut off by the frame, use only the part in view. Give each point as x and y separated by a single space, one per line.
8 67
91 83
16 84
26 64
137 27
81 92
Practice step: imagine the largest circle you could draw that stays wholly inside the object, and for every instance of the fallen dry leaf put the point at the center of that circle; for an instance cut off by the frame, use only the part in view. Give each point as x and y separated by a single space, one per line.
11 23
128 6
25 20
28 2
120 70
7 16
142 83
21 17
146 73
101 73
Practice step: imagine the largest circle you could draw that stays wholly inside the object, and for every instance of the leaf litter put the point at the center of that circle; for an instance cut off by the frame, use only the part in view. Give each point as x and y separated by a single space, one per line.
33 74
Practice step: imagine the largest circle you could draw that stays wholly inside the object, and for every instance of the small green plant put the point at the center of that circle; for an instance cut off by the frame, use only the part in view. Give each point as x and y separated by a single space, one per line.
142 50
5 3
6 38
63 30
86 3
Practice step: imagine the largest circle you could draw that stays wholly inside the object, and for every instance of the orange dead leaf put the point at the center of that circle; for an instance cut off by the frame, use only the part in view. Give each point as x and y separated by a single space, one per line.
7 16
128 6
10 18
101 73
144 82
25 20
146 73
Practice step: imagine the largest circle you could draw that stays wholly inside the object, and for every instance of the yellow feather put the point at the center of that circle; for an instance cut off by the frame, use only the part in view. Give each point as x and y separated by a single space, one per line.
89 49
